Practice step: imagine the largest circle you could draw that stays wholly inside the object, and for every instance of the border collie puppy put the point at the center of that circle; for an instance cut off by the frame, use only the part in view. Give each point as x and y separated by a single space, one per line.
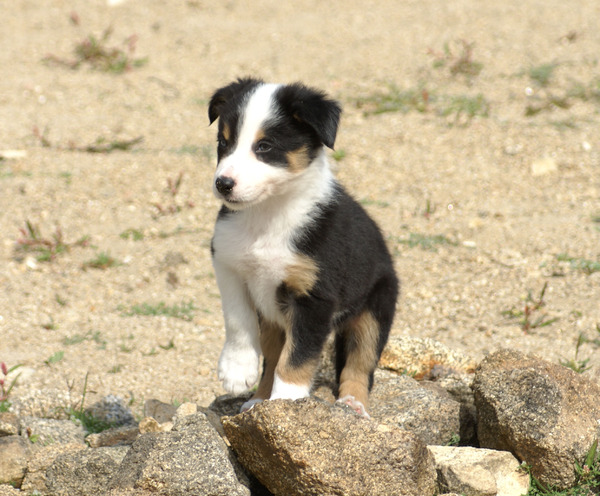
296 258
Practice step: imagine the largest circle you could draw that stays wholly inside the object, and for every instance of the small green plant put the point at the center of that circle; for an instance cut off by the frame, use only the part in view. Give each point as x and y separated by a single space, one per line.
55 358
134 234
96 53
102 261
575 364
6 388
587 478
96 337
104 145
88 421
393 99
185 311
99 145
458 58
542 74
377 203
426 242
464 108
46 249
586 266
173 206
528 318
338 155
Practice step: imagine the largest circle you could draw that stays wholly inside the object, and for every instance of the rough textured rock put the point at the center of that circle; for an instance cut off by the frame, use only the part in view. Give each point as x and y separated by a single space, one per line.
14 451
423 358
430 412
35 479
112 410
159 411
85 472
115 436
9 424
191 459
44 431
546 414
309 447
6 490
479 472
44 403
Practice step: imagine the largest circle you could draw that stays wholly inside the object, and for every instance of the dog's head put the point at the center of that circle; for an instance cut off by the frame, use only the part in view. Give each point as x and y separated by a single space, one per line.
268 135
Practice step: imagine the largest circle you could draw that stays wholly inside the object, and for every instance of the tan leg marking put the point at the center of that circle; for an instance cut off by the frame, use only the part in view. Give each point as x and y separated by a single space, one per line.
362 335
272 338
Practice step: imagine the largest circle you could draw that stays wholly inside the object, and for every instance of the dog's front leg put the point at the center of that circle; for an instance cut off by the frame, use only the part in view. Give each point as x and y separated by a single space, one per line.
238 363
310 325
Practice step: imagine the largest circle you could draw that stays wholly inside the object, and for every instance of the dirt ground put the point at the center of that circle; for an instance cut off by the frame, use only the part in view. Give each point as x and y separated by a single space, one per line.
486 184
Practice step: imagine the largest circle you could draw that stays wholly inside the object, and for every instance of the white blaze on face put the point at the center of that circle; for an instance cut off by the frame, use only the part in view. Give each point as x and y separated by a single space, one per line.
254 180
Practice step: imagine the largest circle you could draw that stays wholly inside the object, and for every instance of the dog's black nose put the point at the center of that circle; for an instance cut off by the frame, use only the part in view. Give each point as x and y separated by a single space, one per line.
224 185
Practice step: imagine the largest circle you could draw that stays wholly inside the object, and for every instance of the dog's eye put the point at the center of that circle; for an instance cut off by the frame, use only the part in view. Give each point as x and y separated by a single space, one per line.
263 147
222 142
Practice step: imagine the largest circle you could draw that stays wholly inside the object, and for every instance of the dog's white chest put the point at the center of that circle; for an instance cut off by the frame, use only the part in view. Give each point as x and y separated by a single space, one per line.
258 256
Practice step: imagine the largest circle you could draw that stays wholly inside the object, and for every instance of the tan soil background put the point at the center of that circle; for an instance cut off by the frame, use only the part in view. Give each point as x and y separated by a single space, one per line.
510 191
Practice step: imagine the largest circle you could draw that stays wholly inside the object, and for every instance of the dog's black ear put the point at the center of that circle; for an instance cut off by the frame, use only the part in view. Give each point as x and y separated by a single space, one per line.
224 95
313 108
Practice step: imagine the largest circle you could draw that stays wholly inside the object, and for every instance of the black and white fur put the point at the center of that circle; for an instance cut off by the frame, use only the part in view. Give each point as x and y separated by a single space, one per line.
296 258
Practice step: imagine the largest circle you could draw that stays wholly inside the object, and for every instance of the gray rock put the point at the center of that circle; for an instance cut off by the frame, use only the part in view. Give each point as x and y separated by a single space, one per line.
429 412
228 404
309 447
479 472
14 451
115 436
545 414
42 458
111 410
85 472
9 424
159 411
42 431
6 490
192 459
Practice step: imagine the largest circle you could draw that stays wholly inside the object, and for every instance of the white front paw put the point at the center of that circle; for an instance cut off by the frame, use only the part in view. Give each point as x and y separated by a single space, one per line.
238 369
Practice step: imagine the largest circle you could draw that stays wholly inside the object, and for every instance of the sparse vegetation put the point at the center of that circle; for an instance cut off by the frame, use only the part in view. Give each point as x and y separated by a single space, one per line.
100 145
55 358
101 261
575 363
5 387
172 205
88 421
425 241
530 317
133 234
461 108
586 266
94 336
458 58
96 53
588 478
46 249
185 311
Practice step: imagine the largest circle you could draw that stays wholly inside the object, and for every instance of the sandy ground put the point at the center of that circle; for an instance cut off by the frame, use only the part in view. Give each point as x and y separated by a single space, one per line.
513 200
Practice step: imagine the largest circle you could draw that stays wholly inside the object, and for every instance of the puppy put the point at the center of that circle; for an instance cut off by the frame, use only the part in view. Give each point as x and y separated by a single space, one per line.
296 258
